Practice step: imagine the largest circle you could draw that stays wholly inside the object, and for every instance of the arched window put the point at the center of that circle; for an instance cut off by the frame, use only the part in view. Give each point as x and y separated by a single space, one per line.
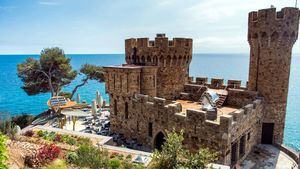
126 110
115 107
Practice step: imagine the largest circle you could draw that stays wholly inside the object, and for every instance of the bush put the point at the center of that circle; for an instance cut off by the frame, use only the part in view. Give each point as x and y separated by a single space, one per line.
7 127
29 133
51 136
72 157
3 152
23 120
114 163
56 164
89 156
120 156
113 155
40 133
48 153
174 155
84 141
65 137
129 157
58 138
71 141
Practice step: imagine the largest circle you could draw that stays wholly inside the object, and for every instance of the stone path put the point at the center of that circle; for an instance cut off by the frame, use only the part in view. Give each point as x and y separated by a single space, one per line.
268 157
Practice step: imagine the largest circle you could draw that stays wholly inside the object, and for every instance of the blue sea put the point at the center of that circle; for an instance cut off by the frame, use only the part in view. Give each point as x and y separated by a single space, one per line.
14 100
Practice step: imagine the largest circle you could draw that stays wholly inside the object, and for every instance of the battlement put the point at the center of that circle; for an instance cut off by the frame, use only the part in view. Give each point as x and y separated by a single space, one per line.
160 42
159 52
216 82
270 28
224 121
270 14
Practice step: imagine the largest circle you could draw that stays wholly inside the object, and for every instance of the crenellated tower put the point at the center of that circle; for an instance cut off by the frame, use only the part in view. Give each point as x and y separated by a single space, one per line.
172 57
271 36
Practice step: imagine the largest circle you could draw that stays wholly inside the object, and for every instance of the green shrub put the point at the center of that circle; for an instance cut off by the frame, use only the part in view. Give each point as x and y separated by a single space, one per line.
51 136
65 137
57 164
71 141
89 156
84 141
120 156
7 127
129 157
114 154
72 157
174 155
40 133
114 163
3 152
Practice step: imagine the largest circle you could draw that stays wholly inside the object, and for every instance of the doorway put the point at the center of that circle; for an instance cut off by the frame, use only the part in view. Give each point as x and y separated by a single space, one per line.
234 153
267 133
159 141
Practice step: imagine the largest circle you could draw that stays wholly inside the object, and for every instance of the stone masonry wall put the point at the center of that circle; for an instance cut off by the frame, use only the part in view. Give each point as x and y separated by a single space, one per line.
271 36
171 57
199 132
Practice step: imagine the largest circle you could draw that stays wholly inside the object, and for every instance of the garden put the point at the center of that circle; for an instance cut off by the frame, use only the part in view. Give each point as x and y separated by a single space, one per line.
62 150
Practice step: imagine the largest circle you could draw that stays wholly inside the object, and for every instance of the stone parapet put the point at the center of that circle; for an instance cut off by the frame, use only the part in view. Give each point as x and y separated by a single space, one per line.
160 52
175 109
216 83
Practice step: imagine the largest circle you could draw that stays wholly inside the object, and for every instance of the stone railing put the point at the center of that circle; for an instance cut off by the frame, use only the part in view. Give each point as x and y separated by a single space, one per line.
290 152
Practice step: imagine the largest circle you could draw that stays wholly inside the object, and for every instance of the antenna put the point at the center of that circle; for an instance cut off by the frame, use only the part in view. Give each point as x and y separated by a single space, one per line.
296 3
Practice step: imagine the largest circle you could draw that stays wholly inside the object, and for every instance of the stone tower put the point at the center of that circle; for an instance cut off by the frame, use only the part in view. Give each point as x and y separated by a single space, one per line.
171 57
271 36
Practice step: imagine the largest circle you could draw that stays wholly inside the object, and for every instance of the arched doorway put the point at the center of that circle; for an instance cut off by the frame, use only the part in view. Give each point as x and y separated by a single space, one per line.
159 141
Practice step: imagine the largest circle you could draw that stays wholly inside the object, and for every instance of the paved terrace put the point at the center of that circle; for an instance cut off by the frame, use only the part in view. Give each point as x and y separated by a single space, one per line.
187 104
268 157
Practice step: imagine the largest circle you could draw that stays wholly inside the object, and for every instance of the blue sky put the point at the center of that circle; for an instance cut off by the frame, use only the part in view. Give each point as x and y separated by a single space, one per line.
100 26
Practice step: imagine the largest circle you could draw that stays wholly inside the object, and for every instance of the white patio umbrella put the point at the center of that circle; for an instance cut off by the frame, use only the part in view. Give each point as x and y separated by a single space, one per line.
99 99
78 98
75 114
94 107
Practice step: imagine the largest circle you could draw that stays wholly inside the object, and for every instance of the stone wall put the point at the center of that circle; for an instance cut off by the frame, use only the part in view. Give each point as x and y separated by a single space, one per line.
271 36
171 57
198 130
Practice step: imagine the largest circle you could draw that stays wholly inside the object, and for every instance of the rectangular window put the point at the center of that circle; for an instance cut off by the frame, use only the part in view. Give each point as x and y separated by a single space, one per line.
115 107
126 110
233 153
150 130
248 138
242 146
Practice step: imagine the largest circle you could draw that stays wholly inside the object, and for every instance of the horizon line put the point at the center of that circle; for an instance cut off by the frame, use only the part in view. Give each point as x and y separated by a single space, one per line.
2 54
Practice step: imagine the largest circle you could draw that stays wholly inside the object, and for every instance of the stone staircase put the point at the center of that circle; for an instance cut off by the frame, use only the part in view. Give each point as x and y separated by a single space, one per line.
221 100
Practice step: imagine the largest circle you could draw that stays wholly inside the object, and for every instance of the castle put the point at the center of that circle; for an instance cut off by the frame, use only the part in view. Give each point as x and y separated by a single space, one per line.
153 92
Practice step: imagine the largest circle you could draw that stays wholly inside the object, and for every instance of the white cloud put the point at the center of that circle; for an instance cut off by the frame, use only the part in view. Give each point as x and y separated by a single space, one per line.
212 11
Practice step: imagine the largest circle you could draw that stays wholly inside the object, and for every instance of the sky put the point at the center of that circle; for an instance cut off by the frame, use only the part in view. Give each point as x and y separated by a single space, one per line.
100 26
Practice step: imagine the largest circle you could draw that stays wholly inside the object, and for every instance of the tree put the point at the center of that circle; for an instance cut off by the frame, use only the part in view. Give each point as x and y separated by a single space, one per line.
171 154
175 156
201 159
91 72
48 74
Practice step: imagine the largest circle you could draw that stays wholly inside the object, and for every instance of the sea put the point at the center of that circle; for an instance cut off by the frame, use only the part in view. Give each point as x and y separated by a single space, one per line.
14 101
